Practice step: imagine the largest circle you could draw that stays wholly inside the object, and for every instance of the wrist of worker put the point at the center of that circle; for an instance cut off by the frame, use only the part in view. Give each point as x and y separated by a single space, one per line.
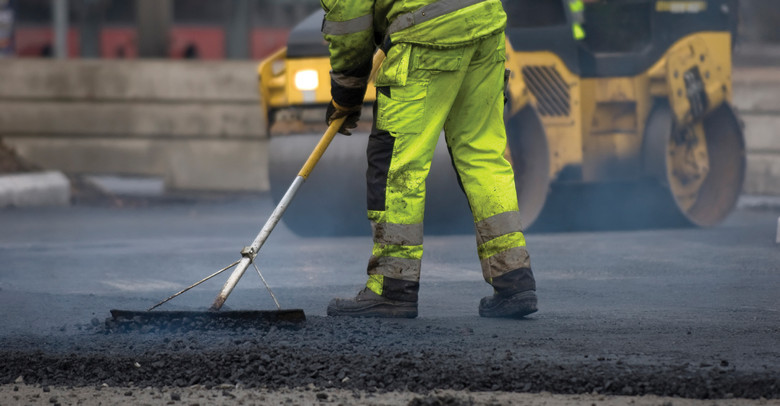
348 87
347 98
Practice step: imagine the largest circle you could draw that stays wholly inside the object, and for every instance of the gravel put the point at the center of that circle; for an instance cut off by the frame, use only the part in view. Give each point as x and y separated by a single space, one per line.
375 356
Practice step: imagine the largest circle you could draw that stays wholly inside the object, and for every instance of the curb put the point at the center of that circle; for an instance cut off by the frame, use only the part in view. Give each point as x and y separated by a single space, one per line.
755 202
34 189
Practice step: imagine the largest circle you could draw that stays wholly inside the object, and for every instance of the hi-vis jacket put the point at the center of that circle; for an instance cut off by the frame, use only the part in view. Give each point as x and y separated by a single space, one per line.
354 28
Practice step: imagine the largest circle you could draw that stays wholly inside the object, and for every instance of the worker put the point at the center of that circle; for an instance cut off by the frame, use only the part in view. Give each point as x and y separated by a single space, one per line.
444 69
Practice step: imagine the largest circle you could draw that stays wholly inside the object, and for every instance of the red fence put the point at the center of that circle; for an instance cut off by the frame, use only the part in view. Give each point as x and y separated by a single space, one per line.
201 42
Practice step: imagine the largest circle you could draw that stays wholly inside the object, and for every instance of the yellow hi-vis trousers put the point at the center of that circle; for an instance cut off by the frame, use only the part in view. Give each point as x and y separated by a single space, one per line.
421 91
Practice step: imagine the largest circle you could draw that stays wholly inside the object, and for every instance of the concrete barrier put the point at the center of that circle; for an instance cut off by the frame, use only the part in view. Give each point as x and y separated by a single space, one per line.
197 124
757 97
34 189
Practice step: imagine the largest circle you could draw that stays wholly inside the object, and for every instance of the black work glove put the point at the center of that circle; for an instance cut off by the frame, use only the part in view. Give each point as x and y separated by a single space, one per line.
336 111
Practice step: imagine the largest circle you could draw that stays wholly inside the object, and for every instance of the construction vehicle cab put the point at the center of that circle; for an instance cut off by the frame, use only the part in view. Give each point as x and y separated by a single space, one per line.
627 122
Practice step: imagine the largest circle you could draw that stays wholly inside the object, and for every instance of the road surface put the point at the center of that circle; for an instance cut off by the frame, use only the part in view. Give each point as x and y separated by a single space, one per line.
692 313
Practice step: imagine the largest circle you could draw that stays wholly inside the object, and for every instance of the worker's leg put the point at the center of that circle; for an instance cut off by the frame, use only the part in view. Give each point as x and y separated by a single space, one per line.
477 140
408 123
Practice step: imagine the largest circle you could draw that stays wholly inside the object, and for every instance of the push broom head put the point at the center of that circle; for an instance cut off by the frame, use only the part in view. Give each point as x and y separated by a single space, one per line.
152 320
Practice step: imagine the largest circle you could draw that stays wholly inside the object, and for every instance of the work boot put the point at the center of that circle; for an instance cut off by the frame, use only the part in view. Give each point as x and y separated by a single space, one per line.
514 295
369 304
508 305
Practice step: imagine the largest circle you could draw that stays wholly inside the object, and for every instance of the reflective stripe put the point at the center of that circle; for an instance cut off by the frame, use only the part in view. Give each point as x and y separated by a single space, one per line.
500 244
428 12
351 82
398 251
397 234
396 268
505 261
498 225
375 283
352 26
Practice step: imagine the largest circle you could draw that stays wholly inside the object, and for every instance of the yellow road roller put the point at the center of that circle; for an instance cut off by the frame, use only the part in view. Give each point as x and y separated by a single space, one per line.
618 117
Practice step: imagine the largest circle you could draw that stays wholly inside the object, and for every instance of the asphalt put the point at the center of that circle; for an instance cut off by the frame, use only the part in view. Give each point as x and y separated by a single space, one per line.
674 312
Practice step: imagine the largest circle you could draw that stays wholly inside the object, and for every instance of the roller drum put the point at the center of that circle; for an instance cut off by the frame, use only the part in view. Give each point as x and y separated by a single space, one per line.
333 199
530 158
701 166
688 180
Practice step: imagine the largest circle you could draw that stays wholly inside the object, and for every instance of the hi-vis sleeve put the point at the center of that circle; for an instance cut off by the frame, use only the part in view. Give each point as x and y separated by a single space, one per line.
348 27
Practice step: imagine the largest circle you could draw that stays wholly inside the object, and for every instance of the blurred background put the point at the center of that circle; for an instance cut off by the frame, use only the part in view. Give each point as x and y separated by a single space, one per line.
203 29
168 89
198 29
759 21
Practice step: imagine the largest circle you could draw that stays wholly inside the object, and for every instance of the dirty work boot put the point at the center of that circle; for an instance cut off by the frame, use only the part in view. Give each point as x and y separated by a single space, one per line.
514 295
369 304
508 305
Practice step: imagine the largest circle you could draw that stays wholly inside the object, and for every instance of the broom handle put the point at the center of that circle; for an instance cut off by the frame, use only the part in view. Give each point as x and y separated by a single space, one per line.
249 253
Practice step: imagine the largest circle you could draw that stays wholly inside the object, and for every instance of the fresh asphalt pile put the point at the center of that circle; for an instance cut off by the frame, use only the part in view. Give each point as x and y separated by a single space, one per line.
388 355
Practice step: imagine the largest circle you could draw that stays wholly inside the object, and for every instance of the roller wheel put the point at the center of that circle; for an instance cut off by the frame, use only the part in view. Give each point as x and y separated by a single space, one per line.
327 203
530 158
693 177
332 202
701 166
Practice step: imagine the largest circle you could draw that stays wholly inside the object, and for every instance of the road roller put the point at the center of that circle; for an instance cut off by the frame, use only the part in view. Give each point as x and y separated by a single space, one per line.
618 116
